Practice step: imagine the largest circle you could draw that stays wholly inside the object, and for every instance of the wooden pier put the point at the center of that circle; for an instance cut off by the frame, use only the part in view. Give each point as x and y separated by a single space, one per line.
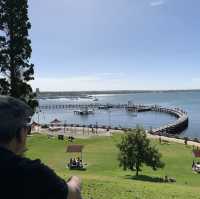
172 128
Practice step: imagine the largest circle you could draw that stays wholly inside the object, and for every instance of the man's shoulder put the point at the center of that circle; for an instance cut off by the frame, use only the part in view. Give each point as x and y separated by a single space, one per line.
34 176
39 170
44 178
34 167
27 163
12 161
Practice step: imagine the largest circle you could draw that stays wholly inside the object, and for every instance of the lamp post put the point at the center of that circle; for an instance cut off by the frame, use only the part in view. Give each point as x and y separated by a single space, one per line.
109 117
96 127
64 126
83 130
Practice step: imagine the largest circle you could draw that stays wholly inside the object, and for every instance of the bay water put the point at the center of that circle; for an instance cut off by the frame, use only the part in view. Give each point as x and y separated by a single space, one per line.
186 100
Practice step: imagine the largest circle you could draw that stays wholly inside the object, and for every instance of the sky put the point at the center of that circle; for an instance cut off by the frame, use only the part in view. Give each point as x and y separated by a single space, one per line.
115 44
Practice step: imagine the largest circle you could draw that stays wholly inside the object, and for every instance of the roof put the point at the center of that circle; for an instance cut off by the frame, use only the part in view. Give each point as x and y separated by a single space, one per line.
55 121
74 148
196 153
35 124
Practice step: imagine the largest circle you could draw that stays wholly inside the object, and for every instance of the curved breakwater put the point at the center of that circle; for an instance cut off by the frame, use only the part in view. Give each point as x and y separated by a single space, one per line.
172 128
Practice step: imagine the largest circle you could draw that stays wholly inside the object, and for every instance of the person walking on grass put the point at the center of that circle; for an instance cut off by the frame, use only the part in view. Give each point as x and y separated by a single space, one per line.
20 177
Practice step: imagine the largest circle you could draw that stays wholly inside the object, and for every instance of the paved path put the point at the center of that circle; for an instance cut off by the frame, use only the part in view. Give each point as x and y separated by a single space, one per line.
78 132
191 143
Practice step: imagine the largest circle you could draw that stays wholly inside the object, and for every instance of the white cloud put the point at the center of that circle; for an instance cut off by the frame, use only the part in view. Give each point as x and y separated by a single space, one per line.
111 81
196 79
104 81
157 3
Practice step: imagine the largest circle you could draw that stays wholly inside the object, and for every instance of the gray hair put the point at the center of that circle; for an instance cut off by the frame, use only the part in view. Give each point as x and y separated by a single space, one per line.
14 114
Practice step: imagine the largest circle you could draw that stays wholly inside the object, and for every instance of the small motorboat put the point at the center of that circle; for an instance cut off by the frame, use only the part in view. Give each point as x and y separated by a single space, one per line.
95 99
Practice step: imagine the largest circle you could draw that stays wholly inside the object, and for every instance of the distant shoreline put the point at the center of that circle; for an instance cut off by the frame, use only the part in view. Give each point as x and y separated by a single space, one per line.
47 94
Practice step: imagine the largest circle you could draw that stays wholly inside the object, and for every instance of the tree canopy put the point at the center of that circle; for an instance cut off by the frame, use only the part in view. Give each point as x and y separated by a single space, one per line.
135 150
15 51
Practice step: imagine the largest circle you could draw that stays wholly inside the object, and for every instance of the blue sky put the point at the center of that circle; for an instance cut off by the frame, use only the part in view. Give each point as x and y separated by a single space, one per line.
115 44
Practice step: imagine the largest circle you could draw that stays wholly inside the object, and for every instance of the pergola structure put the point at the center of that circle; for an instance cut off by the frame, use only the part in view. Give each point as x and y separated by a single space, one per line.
35 126
75 148
76 163
55 122
196 153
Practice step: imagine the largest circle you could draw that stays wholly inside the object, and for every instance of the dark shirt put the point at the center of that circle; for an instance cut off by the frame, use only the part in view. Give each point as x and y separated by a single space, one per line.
21 178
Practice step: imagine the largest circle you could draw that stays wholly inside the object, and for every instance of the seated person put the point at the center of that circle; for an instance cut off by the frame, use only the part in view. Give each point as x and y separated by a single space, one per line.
193 164
70 162
81 163
74 162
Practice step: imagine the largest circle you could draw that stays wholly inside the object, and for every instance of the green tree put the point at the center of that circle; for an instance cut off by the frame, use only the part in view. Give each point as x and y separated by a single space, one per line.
136 150
15 51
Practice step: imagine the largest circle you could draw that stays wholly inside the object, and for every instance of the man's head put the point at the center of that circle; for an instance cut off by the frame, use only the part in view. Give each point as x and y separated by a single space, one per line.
14 118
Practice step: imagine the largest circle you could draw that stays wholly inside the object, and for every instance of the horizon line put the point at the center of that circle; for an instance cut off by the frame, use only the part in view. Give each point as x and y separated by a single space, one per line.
120 90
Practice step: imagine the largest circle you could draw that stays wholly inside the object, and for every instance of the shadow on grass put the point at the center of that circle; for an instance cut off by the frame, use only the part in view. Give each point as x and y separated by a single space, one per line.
144 178
83 169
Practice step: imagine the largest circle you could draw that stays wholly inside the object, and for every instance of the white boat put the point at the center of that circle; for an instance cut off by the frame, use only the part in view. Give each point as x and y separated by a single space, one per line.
95 99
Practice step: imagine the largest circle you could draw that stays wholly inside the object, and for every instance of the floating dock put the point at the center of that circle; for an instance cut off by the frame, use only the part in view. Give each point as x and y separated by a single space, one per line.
84 111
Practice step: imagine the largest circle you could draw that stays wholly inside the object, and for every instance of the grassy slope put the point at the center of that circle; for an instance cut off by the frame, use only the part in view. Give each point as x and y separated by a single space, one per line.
104 179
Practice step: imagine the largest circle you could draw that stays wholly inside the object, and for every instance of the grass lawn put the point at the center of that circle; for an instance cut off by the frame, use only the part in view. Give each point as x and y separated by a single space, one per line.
103 179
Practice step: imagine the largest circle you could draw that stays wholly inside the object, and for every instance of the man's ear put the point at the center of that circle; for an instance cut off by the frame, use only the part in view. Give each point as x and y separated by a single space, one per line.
21 141
21 135
18 135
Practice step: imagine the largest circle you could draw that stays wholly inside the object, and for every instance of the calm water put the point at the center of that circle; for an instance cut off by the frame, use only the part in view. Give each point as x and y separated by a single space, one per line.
189 101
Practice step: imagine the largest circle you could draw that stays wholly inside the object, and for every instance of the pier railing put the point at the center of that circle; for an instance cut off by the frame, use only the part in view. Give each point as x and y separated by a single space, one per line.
78 106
